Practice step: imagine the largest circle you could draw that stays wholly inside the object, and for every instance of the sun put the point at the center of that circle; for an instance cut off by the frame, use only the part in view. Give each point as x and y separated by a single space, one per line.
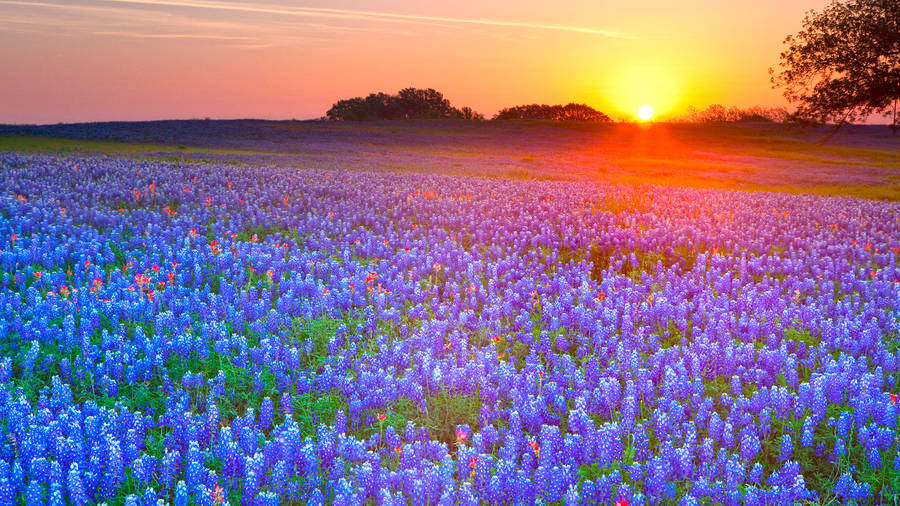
645 113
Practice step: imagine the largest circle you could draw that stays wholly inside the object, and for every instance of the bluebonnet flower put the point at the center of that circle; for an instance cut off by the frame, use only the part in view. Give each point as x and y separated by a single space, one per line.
750 445
182 496
7 494
114 468
787 448
391 303
56 495
267 499
266 413
807 435
74 486
194 466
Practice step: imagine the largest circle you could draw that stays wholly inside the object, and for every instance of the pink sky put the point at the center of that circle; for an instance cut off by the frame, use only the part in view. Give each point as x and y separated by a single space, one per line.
100 60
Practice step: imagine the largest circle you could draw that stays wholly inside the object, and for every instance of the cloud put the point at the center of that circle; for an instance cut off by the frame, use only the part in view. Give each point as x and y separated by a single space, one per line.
139 35
368 15
145 20
261 25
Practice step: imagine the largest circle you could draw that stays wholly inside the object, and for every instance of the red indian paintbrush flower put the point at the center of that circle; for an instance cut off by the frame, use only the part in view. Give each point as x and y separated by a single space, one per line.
218 495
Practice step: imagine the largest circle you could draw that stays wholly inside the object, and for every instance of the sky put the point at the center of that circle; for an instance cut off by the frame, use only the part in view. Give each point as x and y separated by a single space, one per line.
104 60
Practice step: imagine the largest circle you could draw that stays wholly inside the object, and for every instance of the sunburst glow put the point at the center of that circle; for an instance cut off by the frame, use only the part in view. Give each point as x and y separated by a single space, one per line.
643 82
645 113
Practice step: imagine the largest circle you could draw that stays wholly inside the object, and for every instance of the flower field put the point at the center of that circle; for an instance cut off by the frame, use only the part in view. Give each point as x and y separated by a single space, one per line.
212 333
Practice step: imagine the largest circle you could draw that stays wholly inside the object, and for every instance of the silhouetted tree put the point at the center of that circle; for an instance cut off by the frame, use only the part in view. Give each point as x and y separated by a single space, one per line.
467 113
568 112
422 103
408 103
845 63
720 114
351 109
380 106
759 114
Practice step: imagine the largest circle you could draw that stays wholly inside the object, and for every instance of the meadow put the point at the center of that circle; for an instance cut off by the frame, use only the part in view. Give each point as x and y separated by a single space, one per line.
441 313
859 160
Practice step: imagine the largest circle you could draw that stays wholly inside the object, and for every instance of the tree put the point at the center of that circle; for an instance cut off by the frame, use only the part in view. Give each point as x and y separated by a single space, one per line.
351 109
568 112
845 63
418 103
582 112
380 106
467 113
717 113
408 103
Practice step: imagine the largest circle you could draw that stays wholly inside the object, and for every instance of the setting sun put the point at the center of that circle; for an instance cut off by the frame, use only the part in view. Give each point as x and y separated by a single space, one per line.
645 113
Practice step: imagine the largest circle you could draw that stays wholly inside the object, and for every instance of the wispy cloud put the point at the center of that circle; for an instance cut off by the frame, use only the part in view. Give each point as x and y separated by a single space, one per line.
369 15
139 35
147 22
164 21
264 25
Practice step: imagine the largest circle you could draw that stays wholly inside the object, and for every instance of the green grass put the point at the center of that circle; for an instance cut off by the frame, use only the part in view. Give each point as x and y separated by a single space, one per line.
602 257
262 232
31 144
801 336
822 475
444 411
319 332
311 410
674 337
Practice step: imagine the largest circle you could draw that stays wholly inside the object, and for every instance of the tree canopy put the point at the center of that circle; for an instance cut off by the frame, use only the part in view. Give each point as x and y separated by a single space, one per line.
568 112
408 103
720 114
844 65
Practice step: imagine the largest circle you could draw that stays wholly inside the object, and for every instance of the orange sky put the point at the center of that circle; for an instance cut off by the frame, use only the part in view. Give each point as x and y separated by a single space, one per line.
151 59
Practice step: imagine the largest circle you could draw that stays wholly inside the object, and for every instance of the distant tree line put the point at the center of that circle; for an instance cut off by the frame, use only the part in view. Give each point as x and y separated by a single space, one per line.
428 103
408 103
720 114
568 112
